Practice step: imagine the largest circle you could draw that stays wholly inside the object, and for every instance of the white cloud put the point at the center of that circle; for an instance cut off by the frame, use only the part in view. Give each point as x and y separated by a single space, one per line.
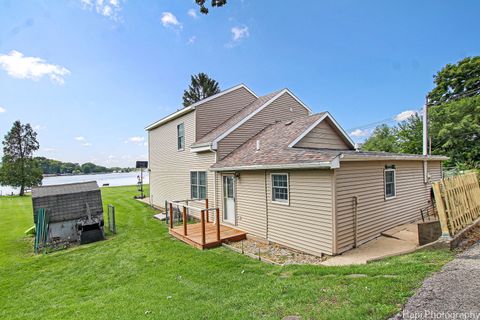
33 68
239 33
136 140
192 13
86 144
2 109
169 20
110 157
80 138
39 127
110 9
360 133
48 149
402 116
192 40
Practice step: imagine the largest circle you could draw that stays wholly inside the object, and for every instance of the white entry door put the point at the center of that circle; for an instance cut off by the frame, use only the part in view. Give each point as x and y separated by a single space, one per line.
229 199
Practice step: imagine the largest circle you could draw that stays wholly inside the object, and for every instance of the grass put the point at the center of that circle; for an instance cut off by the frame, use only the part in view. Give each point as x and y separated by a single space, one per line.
143 273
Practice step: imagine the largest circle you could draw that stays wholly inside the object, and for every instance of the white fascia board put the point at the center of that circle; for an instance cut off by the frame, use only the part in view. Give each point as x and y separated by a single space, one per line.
312 165
300 137
345 158
339 127
298 100
266 104
316 123
201 148
169 118
196 104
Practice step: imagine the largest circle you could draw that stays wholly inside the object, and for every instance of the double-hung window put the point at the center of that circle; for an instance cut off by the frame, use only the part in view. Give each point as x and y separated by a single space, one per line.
198 184
390 183
280 187
180 137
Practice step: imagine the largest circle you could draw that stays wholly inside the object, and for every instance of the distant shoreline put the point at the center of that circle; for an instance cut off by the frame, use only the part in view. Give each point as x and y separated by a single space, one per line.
49 175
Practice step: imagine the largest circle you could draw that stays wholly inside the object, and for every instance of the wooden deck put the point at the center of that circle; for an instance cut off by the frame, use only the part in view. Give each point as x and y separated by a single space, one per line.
194 235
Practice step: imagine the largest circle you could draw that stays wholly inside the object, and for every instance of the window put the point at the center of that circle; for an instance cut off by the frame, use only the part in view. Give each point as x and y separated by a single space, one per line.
180 137
280 187
390 191
198 184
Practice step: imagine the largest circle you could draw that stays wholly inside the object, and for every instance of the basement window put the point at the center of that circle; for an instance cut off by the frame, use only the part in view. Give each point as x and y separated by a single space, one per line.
180 137
280 187
198 184
390 183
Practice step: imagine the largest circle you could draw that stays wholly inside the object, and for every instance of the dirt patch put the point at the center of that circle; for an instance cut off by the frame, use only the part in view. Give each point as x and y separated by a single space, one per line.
471 237
274 252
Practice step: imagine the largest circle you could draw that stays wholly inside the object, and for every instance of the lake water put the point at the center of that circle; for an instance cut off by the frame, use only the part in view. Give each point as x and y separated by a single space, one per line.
113 179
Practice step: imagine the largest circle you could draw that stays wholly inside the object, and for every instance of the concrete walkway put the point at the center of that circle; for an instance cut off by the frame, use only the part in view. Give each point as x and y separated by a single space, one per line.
398 240
452 293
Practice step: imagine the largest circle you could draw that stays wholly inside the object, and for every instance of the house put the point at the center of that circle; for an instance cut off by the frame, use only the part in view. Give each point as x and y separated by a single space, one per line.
280 173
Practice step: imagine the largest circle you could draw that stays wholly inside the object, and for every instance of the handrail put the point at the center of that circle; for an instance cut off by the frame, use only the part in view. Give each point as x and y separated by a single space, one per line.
204 217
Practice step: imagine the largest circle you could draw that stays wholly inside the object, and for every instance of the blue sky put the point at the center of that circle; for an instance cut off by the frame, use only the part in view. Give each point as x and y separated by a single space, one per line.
90 75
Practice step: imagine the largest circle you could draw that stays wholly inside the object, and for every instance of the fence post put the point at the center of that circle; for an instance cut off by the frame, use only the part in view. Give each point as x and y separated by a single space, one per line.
442 214
184 221
171 215
206 207
217 219
202 219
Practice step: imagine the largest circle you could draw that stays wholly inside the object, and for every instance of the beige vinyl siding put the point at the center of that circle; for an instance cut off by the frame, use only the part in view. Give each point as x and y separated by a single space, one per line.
251 203
212 113
170 168
306 223
323 136
283 108
374 213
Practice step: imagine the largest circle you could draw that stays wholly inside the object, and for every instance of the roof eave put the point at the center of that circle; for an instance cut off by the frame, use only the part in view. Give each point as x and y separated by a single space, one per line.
344 157
311 165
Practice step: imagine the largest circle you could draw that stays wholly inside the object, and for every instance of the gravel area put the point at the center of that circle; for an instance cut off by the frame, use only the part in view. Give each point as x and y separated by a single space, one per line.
275 252
452 293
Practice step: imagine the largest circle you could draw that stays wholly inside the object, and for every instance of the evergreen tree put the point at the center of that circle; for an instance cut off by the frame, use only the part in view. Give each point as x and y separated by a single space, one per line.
201 87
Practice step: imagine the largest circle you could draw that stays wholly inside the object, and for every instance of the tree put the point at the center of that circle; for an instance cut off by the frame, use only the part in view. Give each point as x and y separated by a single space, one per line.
460 79
383 138
455 131
19 169
201 87
215 3
410 135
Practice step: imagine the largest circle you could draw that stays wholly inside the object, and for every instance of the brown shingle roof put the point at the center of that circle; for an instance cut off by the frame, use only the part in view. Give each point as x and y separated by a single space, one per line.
274 150
236 118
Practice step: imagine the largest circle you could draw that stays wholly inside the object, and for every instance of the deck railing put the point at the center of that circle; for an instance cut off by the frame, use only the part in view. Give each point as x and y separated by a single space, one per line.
204 216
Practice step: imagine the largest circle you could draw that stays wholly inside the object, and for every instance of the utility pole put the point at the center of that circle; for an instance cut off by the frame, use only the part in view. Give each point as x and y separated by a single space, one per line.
425 141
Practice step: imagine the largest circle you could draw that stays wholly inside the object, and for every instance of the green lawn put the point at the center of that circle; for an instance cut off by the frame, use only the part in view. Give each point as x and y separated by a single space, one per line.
143 273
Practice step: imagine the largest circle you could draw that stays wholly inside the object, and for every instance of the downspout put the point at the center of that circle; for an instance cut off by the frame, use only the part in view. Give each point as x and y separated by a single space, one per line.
425 141
215 183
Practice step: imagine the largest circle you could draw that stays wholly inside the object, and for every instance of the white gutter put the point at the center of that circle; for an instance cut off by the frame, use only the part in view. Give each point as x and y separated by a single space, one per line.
169 118
311 165
345 157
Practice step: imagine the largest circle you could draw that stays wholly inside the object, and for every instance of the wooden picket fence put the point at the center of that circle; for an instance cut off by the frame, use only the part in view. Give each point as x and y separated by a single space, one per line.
458 202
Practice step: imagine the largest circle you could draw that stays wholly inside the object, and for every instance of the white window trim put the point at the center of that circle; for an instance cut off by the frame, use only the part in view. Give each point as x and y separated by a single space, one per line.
183 148
394 183
206 183
282 202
